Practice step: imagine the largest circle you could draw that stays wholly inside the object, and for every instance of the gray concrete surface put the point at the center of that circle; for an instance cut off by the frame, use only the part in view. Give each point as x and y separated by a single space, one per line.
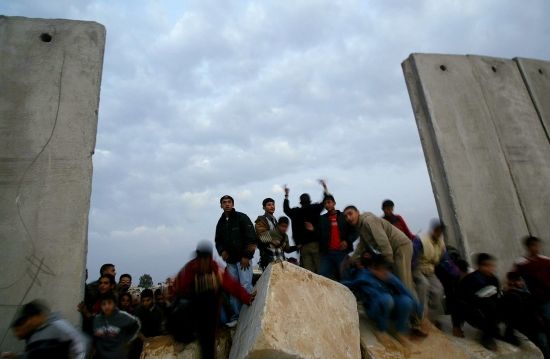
471 178
536 74
50 73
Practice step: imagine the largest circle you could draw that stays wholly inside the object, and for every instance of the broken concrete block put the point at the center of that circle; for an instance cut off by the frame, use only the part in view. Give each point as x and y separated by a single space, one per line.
298 314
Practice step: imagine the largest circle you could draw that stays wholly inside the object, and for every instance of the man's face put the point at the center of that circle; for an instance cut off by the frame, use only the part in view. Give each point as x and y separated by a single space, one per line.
352 216
488 268
534 249
147 302
330 205
107 307
516 283
437 233
269 208
111 271
125 282
388 210
227 205
283 227
104 285
125 302
159 298
22 331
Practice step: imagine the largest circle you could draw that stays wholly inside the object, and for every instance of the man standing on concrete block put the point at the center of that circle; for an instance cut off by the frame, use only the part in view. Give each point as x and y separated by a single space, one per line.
236 244
379 236
304 221
336 240
265 223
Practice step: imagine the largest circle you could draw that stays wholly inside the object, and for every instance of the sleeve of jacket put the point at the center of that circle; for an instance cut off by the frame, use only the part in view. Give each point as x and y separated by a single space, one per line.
381 238
218 239
359 250
231 286
286 208
406 229
247 231
131 325
417 251
261 225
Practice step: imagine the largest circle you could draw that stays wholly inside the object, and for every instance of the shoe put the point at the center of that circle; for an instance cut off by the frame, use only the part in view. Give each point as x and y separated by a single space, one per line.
231 324
489 343
418 332
458 332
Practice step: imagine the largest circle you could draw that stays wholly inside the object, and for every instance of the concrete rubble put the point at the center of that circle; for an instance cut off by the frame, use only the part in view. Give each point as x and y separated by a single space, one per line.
298 314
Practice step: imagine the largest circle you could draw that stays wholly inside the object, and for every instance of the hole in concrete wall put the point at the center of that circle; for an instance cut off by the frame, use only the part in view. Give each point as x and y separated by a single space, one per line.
443 67
46 37
494 69
540 71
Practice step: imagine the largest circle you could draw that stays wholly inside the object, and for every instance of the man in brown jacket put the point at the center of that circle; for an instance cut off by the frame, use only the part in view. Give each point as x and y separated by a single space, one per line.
380 236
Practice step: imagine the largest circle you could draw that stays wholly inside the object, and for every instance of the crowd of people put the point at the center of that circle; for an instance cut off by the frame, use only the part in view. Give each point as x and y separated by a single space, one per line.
401 279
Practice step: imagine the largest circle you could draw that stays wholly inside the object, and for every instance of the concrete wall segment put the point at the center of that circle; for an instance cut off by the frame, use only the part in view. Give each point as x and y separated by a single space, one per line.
50 75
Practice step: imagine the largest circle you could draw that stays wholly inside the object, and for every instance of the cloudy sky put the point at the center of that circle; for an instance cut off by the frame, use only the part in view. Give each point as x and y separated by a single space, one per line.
205 98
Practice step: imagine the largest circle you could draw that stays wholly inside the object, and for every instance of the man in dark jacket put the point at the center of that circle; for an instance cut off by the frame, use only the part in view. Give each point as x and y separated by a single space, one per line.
236 243
479 298
304 231
336 240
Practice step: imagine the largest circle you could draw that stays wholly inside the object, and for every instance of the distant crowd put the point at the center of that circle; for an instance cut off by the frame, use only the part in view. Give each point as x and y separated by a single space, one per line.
403 281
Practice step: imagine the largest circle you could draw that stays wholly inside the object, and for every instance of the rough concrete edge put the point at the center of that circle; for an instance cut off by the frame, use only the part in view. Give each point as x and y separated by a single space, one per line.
440 185
521 64
239 332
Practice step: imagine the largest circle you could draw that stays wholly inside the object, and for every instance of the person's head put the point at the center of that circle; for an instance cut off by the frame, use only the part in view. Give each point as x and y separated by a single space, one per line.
30 317
125 281
108 268
330 203
282 224
106 283
107 303
159 296
437 228
486 264
204 255
125 301
227 203
268 205
532 244
147 298
515 281
379 266
387 207
351 213
462 266
305 200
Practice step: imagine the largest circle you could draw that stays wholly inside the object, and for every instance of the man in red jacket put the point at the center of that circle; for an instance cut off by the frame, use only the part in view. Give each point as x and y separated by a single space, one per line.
395 219
202 281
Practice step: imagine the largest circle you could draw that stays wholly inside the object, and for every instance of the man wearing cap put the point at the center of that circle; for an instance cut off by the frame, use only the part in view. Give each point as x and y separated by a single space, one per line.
336 239
236 243
305 233
46 335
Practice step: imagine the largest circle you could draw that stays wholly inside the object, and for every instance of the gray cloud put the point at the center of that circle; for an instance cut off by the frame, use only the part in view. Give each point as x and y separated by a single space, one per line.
203 98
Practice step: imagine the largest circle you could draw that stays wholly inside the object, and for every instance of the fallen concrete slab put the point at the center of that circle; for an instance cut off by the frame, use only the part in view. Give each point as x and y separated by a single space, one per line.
50 78
298 314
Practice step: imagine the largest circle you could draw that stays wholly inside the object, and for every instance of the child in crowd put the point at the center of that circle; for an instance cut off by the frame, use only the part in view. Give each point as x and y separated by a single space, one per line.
384 297
276 241
113 329
478 298
150 315
520 313
125 303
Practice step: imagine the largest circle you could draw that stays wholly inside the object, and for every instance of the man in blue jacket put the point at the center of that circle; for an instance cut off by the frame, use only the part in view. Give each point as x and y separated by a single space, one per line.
384 296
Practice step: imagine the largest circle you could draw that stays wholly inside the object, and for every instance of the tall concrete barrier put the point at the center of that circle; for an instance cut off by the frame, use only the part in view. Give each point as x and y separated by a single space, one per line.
486 149
50 73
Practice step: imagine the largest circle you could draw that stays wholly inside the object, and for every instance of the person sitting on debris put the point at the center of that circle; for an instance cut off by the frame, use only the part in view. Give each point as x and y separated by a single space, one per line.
520 313
113 329
276 241
478 300
46 335
395 219
430 252
199 286
384 297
